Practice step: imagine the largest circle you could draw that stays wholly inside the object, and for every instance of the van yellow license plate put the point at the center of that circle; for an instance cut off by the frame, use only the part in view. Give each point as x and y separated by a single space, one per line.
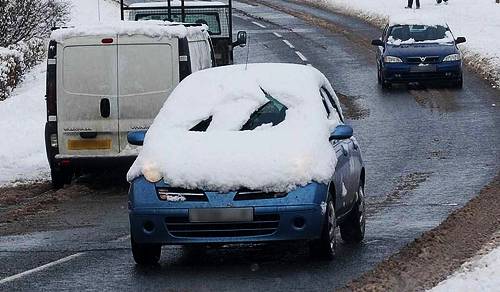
103 144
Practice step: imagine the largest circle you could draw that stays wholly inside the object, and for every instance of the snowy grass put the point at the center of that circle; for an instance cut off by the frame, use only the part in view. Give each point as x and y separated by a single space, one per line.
477 20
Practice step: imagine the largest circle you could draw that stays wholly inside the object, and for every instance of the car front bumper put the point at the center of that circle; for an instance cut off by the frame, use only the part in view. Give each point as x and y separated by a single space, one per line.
403 73
298 216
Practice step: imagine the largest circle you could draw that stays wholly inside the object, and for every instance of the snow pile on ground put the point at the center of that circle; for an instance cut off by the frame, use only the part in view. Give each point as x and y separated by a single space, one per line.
478 21
272 158
482 274
151 28
23 115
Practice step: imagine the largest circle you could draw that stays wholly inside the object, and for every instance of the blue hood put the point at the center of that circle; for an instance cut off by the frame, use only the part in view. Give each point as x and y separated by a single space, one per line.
418 50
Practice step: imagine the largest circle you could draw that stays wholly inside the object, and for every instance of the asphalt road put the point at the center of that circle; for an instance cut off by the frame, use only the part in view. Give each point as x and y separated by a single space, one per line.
427 152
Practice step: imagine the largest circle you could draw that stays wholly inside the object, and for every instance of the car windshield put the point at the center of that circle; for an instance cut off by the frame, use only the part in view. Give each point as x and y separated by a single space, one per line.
271 113
408 34
210 19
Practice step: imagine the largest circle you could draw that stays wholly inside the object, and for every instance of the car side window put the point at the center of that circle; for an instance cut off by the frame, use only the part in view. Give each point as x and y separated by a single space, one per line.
327 108
334 109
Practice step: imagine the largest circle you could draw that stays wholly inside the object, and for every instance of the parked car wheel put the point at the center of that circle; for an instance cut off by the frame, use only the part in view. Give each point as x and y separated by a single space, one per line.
379 76
324 247
459 83
146 254
61 176
385 84
352 230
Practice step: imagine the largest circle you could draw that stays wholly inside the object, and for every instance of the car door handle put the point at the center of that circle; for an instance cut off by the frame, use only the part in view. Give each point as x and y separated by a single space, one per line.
105 108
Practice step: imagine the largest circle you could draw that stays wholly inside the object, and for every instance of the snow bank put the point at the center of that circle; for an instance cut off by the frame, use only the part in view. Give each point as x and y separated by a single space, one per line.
482 274
478 21
151 28
273 158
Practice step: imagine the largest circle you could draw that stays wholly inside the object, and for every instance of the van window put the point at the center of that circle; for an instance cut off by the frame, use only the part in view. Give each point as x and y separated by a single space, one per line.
145 68
89 70
211 19
200 52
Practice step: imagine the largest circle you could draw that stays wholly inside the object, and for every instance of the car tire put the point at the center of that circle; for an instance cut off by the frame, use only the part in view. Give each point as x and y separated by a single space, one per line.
61 176
324 247
379 76
352 229
385 84
145 254
459 84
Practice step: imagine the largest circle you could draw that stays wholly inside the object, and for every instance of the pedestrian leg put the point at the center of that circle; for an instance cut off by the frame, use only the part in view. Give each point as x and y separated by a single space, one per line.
410 4
418 4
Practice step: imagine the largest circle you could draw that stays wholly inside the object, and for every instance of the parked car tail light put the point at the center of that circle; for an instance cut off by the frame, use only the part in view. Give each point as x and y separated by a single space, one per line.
392 59
53 140
51 89
452 57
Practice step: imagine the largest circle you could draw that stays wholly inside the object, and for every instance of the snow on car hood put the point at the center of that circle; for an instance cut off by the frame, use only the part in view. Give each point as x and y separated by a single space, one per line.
292 153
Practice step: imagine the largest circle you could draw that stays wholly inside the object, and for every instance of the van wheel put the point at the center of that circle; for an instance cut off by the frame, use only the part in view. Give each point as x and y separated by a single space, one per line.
145 254
352 230
61 176
324 248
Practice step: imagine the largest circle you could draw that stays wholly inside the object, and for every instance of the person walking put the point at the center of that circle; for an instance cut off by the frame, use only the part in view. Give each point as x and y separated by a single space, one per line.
410 4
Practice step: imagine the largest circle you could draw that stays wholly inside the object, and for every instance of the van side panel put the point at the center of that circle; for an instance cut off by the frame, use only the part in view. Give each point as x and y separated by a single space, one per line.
87 82
148 71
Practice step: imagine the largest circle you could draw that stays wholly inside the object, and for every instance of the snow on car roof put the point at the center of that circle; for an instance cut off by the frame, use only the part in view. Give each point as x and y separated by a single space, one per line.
273 158
177 3
151 28
413 19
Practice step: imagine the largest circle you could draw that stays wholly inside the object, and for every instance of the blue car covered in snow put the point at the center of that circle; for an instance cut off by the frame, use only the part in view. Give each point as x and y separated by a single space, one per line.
247 155
410 51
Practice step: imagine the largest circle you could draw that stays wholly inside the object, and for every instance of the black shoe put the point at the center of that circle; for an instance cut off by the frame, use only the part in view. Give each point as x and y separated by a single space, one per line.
407 7
418 7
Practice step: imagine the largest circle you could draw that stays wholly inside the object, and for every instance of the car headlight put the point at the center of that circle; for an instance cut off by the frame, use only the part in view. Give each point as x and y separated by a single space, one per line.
452 57
151 174
392 59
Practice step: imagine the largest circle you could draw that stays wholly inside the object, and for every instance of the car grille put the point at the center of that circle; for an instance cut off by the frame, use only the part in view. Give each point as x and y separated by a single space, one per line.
261 225
244 195
418 60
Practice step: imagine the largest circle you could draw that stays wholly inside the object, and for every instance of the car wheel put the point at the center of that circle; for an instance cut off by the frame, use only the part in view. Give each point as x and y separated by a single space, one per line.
385 84
379 76
324 247
61 176
459 83
145 254
352 230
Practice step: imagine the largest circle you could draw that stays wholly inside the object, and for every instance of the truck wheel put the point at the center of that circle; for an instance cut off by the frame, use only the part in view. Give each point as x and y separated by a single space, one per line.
61 176
324 248
146 254
352 230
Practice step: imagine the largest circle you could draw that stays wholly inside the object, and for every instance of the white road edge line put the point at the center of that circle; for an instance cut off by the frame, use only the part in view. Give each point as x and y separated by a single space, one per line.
258 24
40 268
302 57
289 44
277 35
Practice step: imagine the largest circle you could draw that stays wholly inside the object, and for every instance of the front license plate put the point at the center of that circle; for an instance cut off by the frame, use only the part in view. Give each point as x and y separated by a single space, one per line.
424 68
221 215
103 144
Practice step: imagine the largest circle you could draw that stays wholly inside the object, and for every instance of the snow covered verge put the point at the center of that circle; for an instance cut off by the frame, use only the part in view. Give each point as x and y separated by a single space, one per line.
237 149
22 115
478 21
16 60
480 274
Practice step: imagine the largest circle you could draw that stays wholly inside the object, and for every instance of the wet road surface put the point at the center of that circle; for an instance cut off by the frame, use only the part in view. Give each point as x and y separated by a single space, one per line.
427 152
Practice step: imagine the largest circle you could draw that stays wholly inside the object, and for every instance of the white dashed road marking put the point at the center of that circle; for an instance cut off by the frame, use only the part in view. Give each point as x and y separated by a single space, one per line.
289 44
302 57
258 24
277 35
40 268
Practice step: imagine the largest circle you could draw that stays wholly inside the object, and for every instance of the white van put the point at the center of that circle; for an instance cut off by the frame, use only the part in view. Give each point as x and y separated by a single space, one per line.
104 81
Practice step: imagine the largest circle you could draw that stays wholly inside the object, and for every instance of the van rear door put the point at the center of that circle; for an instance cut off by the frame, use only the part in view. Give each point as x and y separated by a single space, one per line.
87 101
148 71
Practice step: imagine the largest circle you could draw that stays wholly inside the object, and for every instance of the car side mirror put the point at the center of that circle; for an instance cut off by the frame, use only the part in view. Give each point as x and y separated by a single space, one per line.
136 138
241 39
460 40
341 132
378 43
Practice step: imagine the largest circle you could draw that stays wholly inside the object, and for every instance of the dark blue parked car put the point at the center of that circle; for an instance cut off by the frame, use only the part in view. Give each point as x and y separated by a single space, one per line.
164 213
418 53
